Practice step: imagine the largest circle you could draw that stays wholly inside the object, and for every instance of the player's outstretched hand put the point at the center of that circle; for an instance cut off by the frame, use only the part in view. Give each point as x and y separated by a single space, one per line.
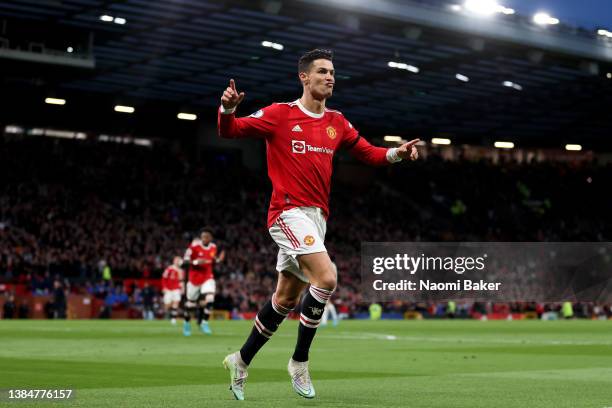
409 150
231 98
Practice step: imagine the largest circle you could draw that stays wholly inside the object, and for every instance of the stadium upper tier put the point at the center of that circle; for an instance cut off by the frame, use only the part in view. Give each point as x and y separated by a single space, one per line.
475 80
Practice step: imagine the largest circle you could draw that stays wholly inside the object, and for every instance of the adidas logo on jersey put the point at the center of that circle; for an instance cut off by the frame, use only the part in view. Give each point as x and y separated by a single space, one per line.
296 128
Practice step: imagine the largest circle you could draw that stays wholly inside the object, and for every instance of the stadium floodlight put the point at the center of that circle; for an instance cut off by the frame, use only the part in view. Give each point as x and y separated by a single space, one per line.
440 141
544 19
604 33
390 138
187 116
456 7
513 85
270 44
13 129
504 145
120 20
106 18
482 7
143 142
462 77
573 147
124 109
405 67
36 132
55 101
62 134
486 7
69 49
609 75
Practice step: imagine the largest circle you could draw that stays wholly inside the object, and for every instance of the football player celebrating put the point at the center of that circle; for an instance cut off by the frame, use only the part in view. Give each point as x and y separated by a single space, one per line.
301 139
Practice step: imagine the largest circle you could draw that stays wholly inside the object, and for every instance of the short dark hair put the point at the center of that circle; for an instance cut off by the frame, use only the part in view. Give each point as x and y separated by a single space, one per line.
306 60
206 229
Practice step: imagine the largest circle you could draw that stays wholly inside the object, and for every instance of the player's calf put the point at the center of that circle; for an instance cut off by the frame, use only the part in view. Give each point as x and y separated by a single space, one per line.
204 311
189 308
267 321
173 314
311 314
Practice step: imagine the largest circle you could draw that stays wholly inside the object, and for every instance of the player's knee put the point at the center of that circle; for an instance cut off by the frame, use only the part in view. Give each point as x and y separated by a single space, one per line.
328 283
287 300
322 277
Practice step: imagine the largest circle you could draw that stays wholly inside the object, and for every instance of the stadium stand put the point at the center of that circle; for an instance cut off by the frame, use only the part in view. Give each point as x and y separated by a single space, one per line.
70 208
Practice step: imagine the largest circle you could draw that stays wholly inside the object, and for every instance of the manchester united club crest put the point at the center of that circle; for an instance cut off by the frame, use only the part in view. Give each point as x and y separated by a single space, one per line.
309 240
331 132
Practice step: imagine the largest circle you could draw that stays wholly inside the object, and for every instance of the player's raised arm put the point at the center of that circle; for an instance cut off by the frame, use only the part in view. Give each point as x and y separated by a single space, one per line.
362 150
260 124
380 156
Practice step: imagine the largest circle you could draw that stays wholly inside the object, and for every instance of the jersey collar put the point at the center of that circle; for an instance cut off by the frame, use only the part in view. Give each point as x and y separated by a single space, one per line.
201 244
307 112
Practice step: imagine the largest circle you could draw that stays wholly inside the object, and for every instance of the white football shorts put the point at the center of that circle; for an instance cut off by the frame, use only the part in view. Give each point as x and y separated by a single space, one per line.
298 231
194 291
171 296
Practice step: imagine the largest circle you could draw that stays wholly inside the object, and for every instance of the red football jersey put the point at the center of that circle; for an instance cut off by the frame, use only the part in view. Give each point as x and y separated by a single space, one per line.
205 255
172 278
300 147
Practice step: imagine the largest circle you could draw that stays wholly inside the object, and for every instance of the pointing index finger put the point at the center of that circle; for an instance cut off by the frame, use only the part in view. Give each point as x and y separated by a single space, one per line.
412 143
233 84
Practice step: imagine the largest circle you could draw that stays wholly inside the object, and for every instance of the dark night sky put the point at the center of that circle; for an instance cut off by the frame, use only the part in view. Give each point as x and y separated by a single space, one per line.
589 14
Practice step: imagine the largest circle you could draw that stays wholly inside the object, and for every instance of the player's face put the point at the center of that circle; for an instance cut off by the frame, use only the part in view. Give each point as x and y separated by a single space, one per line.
320 80
206 238
177 261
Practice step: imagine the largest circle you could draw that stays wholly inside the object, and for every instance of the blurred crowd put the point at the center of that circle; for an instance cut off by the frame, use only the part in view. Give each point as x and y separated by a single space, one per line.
88 212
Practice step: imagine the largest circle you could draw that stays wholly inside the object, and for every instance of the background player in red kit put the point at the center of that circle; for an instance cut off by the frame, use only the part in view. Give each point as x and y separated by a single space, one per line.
301 139
201 256
172 287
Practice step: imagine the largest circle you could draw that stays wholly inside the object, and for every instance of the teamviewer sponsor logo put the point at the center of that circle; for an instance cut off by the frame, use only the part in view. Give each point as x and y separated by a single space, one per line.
298 146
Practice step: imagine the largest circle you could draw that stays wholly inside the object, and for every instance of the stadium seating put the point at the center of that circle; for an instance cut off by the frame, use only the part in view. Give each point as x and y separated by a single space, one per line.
69 208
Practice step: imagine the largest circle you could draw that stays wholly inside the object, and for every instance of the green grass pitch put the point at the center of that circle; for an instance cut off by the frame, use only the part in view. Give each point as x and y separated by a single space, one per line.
357 364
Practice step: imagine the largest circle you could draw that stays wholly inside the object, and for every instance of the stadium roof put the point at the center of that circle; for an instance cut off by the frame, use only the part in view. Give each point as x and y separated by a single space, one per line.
477 81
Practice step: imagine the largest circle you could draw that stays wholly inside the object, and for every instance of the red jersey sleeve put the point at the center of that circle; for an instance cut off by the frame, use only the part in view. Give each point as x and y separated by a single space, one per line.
260 124
361 149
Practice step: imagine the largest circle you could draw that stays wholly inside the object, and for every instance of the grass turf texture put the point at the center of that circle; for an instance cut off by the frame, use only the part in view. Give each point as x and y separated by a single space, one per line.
358 364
